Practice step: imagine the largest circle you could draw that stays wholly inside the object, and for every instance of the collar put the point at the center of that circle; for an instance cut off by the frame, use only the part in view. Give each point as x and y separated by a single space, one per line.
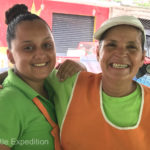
14 81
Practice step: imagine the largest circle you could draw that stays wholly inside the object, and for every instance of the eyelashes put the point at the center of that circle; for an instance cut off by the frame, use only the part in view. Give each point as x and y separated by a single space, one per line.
45 46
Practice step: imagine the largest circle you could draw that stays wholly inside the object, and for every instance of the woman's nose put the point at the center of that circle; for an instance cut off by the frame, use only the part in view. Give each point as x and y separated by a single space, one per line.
40 53
121 51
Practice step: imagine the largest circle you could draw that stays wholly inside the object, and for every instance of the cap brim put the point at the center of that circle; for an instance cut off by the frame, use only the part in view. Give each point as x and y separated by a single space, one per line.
121 20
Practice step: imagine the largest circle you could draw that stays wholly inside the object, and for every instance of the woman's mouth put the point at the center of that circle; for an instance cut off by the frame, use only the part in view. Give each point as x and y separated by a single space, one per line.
119 66
40 64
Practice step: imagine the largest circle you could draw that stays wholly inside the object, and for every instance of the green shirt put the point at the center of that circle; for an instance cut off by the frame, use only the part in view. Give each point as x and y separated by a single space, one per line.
63 92
123 111
22 125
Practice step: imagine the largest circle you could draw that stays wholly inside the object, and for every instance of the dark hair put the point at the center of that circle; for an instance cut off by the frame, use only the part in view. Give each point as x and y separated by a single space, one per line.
142 37
14 16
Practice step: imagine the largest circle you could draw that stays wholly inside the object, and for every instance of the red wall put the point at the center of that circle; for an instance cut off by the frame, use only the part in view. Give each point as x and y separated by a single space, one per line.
101 14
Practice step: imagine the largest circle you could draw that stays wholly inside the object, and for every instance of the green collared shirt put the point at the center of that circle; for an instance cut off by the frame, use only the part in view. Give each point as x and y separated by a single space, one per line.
22 125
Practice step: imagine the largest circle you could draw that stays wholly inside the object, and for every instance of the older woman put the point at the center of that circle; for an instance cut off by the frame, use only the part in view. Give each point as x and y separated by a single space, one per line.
109 110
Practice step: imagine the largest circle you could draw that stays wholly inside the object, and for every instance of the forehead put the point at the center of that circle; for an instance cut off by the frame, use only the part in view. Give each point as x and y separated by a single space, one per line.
33 26
123 33
124 29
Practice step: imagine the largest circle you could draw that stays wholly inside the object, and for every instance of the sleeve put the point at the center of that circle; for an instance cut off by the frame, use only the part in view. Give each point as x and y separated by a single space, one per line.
3 76
9 122
62 93
67 84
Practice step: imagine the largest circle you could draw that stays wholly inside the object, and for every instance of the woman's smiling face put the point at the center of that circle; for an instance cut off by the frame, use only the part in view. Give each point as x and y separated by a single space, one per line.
120 54
33 50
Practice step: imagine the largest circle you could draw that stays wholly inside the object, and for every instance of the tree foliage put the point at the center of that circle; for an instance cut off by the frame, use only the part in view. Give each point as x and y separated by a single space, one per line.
142 3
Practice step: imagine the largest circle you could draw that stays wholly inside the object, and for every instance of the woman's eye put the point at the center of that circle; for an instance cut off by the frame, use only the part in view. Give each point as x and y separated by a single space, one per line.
131 47
28 48
111 45
47 45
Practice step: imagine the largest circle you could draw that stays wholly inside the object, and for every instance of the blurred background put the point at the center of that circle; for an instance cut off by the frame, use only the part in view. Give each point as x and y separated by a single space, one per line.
73 23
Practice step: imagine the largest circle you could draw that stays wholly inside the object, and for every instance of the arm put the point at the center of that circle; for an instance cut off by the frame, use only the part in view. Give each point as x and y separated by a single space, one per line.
68 68
3 76
3 147
9 120
63 91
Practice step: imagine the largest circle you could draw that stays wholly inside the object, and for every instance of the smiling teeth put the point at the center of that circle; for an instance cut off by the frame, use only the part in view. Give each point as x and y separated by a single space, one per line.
40 65
119 65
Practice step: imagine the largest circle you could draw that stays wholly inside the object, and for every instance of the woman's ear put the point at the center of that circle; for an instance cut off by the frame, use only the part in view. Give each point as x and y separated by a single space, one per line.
144 54
143 58
10 56
97 52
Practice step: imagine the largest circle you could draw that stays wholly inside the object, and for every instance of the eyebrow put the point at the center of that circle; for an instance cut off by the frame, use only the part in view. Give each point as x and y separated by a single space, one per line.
128 42
131 42
29 41
111 41
48 37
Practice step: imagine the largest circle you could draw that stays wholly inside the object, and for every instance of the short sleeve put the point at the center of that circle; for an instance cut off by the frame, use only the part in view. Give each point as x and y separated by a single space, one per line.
55 83
63 91
9 122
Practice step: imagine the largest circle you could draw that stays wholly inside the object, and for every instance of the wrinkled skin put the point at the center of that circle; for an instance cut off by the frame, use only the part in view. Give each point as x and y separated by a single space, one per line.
120 56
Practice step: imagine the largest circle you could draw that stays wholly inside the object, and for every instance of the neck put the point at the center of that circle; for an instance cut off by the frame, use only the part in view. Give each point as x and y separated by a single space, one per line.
38 86
119 88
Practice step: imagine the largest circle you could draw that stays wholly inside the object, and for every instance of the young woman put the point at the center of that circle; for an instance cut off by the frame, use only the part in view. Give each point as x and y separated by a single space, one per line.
27 113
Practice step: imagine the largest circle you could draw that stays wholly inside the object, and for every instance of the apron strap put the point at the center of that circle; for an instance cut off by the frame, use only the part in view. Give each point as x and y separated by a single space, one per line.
44 111
55 130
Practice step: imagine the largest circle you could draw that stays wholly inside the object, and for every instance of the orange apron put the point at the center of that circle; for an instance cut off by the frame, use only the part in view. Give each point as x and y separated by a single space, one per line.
86 128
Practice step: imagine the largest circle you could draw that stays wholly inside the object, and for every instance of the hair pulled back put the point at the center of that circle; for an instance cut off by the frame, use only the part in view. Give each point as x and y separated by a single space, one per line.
15 11
13 16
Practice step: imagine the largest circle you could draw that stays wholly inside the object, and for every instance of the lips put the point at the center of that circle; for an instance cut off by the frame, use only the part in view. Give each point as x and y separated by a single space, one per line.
40 64
119 66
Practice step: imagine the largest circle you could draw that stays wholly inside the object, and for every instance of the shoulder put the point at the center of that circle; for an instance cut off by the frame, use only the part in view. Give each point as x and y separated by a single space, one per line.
90 74
11 102
11 93
54 82
12 97
146 89
11 114
89 77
